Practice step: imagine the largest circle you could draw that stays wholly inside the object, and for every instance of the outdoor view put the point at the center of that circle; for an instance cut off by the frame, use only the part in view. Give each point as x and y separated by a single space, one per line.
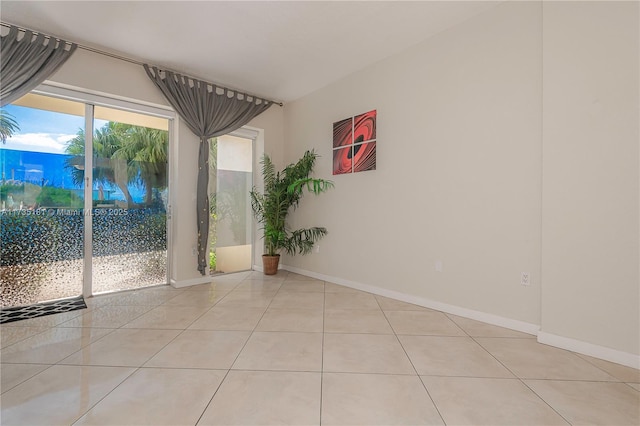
42 200
230 180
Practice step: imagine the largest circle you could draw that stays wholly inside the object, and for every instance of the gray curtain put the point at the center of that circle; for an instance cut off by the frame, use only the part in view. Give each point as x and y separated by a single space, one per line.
27 61
208 114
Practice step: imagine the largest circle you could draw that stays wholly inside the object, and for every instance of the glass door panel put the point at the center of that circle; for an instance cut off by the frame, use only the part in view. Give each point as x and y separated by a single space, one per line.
129 222
230 181
41 200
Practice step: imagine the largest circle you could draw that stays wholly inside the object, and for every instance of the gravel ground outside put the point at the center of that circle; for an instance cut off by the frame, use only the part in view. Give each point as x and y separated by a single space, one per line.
27 284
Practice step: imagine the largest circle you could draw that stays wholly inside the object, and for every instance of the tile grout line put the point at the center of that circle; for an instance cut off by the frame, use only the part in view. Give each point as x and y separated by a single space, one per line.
135 369
520 380
107 394
237 356
410 361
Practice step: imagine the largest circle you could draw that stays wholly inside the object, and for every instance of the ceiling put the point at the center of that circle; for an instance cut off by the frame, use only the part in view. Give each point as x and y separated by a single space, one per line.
279 50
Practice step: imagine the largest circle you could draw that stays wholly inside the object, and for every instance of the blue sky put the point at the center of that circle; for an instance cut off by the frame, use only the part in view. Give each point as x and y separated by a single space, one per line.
43 131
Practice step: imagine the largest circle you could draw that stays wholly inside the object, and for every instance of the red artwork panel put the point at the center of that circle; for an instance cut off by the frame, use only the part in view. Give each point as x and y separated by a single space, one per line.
342 160
364 157
343 133
354 143
364 127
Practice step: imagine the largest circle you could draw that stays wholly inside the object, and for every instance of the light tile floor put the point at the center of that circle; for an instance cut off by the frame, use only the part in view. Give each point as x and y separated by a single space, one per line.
249 349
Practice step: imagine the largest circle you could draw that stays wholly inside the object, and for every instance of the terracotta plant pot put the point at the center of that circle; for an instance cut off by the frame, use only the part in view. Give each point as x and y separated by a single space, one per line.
270 264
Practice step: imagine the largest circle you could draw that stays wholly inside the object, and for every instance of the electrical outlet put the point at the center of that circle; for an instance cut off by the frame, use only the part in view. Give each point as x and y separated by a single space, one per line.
194 251
317 248
438 265
525 278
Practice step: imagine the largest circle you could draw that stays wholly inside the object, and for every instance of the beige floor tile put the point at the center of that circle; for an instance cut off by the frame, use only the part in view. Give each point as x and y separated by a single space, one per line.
60 394
264 279
144 297
620 372
281 351
486 401
278 319
107 317
51 345
313 286
100 300
424 323
168 317
11 335
292 276
528 359
259 276
47 320
636 386
258 286
590 402
229 318
201 349
12 375
215 287
336 288
265 398
298 300
232 276
388 304
356 321
197 298
157 396
351 301
376 399
480 329
123 347
247 299
365 353
451 356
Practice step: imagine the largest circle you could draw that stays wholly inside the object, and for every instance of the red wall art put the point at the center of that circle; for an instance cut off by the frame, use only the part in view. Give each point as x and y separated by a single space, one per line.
354 144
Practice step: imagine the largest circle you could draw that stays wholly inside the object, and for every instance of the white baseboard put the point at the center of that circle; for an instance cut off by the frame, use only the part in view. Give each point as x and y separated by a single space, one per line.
189 283
585 348
578 346
497 320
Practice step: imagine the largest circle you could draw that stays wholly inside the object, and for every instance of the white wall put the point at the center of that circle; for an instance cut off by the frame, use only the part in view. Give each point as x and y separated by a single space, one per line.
458 169
591 286
102 75
468 174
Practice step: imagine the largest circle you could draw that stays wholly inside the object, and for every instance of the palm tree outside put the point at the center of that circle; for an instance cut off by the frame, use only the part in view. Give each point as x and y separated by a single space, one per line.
8 125
124 154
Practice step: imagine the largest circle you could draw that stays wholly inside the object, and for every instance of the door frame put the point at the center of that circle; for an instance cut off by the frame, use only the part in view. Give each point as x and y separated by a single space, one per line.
91 100
252 134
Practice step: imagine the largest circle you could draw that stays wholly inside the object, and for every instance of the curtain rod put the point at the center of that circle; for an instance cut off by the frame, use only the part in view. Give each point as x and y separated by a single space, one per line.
132 61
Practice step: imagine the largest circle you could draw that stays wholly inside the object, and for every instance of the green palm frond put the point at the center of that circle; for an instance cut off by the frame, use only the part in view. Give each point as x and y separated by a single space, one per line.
123 154
302 240
283 191
8 125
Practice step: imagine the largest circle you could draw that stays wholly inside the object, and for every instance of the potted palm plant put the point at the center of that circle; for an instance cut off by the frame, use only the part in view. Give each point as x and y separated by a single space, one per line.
283 190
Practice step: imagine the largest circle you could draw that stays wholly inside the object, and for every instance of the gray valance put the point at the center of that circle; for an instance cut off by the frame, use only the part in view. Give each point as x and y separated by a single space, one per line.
209 111
29 60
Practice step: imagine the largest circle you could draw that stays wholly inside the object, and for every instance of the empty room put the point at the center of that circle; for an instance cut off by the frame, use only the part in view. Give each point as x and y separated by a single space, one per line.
196 229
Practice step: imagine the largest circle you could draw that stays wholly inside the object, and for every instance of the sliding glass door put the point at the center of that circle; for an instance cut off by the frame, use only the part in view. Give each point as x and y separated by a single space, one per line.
41 205
130 182
72 223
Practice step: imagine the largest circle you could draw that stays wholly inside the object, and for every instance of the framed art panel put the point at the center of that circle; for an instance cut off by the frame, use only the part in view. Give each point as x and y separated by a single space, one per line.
354 143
